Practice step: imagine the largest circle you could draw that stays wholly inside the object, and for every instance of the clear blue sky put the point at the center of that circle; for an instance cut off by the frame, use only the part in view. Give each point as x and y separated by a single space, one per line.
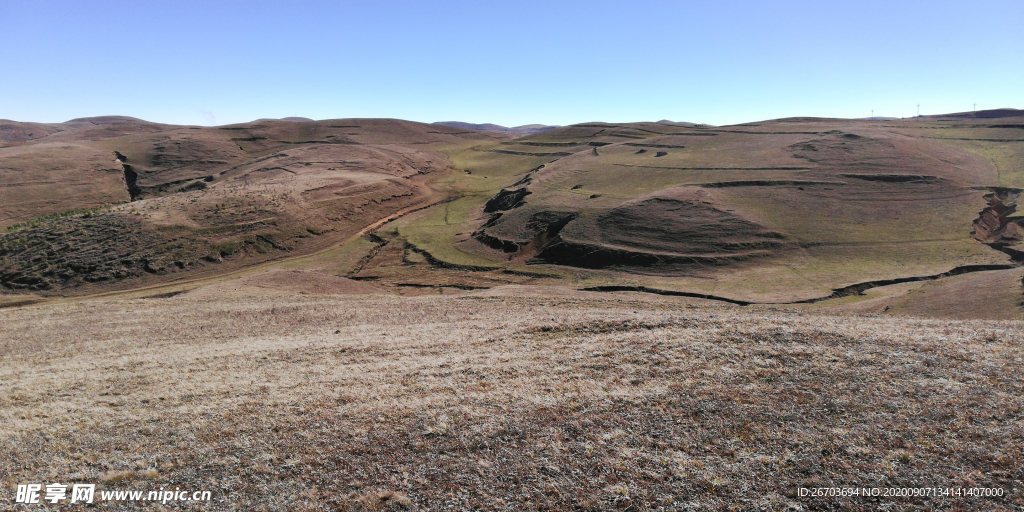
511 63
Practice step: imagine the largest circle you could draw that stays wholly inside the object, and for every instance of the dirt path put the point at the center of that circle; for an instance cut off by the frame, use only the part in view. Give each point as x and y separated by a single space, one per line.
433 198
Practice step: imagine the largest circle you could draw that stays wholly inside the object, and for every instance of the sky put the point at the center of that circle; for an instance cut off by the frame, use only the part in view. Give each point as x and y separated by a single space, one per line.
720 62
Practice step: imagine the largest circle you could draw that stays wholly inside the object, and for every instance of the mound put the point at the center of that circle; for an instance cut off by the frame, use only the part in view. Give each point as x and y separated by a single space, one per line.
661 232
673 229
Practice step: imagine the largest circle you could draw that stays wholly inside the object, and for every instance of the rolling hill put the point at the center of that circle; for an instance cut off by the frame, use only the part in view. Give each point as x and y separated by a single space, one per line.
782 211
526 129
368 314
777 211
123 203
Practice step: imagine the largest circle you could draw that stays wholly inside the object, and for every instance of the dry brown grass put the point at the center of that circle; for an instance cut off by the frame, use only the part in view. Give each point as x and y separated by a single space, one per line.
506 403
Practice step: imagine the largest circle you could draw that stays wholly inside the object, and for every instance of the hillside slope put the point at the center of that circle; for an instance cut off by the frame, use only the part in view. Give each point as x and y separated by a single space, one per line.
479 402
775 211
109 202
781 211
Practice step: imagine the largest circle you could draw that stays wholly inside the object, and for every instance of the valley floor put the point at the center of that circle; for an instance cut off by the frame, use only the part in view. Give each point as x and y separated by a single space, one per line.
507 399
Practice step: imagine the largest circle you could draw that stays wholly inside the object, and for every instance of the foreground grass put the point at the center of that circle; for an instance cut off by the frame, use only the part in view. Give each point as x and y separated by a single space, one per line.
486 403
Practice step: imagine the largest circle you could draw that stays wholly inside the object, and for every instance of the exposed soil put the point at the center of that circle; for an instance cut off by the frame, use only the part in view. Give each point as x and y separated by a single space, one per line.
202 198
438 263
506 200
70 252
951 297
893 178
995 223
846 291
661 232
131 184
538 229
668 293
860 288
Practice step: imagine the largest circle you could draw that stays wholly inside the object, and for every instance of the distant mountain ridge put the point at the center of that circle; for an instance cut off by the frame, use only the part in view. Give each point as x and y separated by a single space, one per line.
289 119
979 114
526 129
680 123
